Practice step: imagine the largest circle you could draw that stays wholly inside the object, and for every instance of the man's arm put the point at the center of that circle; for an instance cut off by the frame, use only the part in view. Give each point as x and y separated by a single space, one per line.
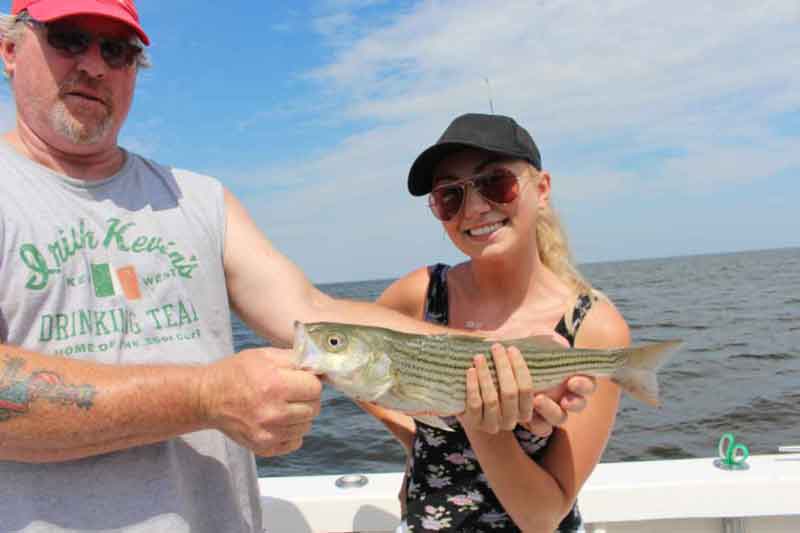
55 409
269 292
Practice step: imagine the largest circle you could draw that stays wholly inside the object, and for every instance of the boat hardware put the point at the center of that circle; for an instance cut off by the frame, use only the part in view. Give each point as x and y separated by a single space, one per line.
732 455
350 481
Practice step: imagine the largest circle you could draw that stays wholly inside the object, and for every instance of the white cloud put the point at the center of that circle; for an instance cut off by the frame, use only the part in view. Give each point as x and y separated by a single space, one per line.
332 25
627 98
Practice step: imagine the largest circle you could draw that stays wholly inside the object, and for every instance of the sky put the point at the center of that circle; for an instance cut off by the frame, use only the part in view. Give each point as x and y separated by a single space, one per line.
669 128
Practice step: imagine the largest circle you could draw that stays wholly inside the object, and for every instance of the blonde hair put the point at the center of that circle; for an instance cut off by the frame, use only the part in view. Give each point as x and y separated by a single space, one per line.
11 30
553 247
555 254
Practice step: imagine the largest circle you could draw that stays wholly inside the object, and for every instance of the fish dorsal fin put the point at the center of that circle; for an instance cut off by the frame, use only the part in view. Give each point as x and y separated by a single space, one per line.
535 342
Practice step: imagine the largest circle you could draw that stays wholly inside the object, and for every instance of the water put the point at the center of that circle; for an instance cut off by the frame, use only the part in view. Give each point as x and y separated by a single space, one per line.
739 369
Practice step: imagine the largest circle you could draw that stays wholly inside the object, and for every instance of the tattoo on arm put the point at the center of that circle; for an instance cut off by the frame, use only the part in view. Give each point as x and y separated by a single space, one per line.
19 390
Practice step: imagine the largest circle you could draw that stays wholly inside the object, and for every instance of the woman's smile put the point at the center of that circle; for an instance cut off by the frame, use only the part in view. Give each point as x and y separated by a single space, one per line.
484 231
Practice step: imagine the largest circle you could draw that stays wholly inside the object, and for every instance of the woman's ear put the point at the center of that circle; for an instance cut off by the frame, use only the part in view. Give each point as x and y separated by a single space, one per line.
543 189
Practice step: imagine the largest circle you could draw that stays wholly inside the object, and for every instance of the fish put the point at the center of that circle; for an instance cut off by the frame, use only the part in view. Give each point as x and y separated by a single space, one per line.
425 375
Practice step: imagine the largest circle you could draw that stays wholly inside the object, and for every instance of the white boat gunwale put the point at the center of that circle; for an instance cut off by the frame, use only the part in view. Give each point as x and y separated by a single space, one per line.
676 494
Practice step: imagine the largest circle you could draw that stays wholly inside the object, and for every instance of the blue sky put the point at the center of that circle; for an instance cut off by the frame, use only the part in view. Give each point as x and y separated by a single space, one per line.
670 128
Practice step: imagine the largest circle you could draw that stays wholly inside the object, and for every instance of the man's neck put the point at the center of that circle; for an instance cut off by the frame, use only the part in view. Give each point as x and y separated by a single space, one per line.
89 166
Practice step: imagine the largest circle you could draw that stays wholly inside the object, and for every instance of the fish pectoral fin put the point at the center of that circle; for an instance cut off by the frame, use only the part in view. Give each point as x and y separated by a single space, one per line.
417 396
422 401
384 388
433 421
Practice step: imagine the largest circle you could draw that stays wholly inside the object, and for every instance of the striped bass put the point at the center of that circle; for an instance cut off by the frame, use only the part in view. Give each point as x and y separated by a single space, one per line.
425 375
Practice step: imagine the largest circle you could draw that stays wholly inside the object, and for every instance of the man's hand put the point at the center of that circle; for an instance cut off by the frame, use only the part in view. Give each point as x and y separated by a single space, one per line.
259 399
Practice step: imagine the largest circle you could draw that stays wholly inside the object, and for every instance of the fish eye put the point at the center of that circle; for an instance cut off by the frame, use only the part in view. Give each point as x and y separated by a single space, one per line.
336 342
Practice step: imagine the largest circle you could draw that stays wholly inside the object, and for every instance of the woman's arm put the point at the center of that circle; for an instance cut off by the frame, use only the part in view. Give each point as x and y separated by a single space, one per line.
576 445
399 424
407 296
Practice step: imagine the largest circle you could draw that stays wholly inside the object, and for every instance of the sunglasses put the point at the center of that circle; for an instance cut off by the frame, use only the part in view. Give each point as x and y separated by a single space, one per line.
500 186
72 41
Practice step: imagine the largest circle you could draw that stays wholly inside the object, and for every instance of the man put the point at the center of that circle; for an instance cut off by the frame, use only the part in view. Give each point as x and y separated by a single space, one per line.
122 406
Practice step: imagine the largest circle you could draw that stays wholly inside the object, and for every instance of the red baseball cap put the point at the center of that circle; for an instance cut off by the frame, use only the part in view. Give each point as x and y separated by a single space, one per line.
49 10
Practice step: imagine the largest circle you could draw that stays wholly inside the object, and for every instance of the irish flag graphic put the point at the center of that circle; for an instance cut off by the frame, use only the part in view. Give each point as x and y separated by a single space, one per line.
109 281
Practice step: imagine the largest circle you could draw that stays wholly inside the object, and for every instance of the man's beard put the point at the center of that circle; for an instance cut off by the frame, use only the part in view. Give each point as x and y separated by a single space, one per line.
84 128
79 132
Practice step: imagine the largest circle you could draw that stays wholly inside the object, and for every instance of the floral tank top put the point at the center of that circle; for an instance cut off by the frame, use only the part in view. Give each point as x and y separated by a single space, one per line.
445 487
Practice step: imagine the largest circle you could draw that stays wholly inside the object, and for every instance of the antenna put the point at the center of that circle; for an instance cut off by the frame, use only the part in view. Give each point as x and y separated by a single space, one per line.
489 90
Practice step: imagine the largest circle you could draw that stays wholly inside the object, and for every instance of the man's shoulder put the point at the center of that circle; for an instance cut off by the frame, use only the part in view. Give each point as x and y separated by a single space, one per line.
179 174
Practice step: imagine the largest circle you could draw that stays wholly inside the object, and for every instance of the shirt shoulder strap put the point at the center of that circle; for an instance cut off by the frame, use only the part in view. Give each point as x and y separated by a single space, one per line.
574 317
436 302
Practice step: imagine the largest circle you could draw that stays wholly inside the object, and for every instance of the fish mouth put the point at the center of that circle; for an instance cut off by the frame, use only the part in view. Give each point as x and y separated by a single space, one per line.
299 342
307 353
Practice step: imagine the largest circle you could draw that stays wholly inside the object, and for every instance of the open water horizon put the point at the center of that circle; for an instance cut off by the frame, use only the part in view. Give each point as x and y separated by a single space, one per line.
738 370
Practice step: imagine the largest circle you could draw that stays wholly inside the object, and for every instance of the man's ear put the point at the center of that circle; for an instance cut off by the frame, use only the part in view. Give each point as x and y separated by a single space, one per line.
8 51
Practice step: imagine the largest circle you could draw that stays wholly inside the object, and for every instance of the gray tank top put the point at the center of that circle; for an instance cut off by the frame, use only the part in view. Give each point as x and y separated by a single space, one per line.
126 270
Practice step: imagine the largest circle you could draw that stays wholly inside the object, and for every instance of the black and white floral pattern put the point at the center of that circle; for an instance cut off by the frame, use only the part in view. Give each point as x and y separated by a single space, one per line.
446 490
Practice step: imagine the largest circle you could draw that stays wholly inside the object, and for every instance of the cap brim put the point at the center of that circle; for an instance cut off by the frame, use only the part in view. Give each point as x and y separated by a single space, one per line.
420 177
47 12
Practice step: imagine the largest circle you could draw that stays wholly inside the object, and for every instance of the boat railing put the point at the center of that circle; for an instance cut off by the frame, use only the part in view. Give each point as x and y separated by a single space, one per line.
653 496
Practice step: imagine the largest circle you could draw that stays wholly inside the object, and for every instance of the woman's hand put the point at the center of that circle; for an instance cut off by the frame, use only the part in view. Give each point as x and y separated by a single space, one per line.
491 410
551 408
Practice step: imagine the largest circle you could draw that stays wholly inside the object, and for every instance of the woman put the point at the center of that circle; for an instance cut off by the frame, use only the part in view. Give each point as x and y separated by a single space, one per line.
486 185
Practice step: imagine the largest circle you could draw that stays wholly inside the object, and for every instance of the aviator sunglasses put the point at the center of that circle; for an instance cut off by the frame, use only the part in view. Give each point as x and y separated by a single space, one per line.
72 41
499 186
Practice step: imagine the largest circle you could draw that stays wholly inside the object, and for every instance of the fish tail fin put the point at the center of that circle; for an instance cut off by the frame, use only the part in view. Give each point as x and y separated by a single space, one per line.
638 376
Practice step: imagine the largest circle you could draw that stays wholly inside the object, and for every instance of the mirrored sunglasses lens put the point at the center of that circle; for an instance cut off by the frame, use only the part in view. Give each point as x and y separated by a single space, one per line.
501 187
446 202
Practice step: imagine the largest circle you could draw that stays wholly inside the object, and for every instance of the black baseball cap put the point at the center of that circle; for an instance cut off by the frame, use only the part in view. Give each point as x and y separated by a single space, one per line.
494 133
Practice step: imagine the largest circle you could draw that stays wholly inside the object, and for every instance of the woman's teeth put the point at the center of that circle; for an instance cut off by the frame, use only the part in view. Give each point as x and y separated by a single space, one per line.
484 230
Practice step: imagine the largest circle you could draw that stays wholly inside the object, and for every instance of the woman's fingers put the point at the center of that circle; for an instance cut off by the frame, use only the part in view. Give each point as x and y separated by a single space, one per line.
538 426
507 382
501 402
473 410
524 385
491 402
582 385
550 411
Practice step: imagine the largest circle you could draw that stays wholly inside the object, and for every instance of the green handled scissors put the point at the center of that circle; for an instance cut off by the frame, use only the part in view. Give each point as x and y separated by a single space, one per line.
732 455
